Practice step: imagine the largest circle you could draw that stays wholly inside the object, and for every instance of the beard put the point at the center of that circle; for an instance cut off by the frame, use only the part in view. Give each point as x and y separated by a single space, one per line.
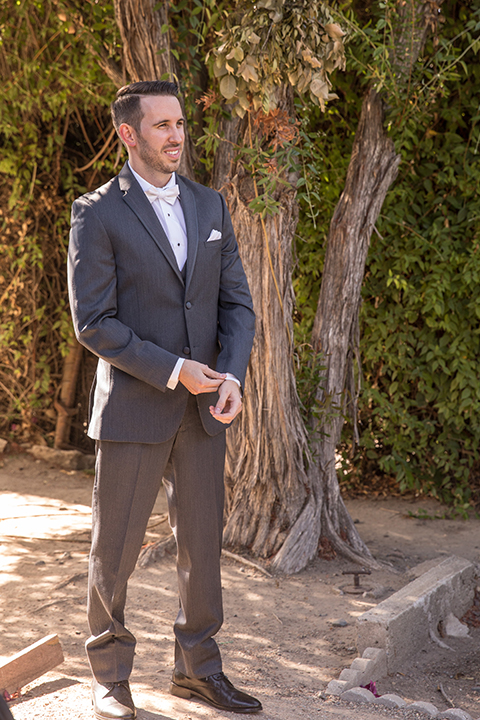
152 159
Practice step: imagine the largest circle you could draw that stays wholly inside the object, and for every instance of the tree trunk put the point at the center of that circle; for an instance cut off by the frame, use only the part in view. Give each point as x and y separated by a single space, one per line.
373 167
146 51
266 448
64 403
275 494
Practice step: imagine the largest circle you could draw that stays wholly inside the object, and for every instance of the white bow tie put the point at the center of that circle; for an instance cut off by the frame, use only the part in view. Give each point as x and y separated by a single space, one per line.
169 194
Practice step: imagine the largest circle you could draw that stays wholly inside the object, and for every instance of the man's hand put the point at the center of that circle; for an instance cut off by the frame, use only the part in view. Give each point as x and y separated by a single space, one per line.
229 403
199 378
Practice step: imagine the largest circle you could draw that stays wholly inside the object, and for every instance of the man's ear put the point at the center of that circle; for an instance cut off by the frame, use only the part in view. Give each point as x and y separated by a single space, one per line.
127 135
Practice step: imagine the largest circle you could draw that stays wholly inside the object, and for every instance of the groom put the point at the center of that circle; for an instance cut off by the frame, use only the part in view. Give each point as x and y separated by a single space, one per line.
158 293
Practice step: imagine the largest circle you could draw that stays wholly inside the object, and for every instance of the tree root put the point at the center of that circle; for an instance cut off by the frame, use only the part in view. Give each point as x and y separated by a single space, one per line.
155 551
301 544
246 561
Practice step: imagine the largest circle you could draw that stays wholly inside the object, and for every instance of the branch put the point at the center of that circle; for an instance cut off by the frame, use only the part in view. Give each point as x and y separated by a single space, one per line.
99 154
109 66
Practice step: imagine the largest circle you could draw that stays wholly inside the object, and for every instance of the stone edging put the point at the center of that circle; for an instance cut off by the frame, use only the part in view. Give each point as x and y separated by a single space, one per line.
373 663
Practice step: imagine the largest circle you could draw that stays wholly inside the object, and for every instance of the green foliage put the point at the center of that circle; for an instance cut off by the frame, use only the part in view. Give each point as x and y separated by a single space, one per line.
421 318
419 414
420 408
48 87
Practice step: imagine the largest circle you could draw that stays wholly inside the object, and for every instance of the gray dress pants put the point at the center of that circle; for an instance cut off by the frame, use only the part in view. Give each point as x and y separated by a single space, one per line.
128 478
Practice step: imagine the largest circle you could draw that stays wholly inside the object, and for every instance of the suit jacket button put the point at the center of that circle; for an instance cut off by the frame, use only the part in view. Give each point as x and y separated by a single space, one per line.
186 350
188 305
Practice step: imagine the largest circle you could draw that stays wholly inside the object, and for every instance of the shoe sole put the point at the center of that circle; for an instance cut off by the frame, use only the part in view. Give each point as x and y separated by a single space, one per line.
109 717
99 716
186 694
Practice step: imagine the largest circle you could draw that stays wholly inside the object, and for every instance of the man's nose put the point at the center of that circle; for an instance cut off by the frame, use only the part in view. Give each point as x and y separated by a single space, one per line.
177 135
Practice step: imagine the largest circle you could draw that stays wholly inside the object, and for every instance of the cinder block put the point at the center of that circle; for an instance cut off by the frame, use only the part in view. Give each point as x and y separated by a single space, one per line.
378 668
336 687
425 707
358 695
361 665
349 676
401 624
390 700
365 669
454 714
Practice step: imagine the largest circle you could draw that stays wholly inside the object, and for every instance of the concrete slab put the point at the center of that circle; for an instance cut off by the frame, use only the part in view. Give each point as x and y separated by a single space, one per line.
336 687
67 459
403 623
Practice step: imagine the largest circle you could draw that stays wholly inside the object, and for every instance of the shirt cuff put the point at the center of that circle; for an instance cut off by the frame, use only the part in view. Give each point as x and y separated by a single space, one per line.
173 379
232 377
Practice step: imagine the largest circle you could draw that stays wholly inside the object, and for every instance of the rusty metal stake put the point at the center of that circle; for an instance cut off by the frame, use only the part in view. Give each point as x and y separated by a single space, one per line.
356 588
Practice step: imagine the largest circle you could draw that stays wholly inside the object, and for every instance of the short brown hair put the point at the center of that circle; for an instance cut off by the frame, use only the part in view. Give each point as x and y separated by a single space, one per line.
126 107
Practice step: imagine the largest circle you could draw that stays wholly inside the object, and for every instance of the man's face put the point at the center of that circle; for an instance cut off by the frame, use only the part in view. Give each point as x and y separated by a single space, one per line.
162 133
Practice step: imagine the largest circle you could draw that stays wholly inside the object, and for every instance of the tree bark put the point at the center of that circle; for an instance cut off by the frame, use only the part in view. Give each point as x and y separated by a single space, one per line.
373 167
265 461
64 403
146 51
279 499
266 477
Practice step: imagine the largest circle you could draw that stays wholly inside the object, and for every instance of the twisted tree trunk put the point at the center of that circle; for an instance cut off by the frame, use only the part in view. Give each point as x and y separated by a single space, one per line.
373 167
271 429
146 50
266 476
276 499
266 447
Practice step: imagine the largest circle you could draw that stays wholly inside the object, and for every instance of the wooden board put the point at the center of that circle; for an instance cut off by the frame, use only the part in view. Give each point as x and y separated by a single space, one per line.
30 664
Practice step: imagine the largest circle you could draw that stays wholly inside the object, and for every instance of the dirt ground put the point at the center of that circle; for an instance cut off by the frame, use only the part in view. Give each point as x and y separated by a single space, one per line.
281 640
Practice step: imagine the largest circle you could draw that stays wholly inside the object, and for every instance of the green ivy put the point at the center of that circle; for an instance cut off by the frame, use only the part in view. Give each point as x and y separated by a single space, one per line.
419 414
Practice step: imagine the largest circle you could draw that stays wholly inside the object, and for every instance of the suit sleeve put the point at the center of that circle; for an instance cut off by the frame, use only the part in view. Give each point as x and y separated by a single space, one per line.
92 286
236 318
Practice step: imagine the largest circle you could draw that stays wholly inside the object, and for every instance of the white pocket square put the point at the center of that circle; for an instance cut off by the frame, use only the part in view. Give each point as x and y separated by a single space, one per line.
214 235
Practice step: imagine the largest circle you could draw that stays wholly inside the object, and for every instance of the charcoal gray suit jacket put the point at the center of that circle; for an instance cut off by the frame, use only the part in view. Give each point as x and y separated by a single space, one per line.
132 308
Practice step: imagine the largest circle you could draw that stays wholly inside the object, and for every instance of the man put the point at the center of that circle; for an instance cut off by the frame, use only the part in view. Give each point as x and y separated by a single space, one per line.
158 292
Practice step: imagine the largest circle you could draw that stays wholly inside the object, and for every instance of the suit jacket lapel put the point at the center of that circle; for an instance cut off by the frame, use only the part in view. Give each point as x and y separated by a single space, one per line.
189 208
136 199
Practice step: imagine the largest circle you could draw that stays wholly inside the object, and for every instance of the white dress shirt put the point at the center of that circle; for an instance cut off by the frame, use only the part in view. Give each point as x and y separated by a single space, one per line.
171 217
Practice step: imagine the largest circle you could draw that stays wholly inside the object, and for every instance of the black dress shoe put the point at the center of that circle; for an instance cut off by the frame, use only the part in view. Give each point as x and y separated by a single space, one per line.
113 701
216 690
